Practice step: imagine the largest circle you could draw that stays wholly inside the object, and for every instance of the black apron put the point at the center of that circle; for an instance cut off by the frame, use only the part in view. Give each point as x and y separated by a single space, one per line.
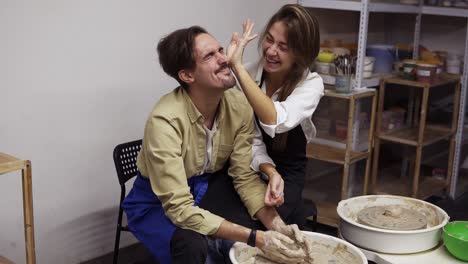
291 164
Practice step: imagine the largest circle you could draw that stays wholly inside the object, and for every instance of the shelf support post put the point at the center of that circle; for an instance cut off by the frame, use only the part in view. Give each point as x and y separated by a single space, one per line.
362 42
460 124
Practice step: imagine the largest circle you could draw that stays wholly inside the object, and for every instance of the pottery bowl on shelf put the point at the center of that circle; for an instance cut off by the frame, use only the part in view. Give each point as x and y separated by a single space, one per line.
391 241
455 236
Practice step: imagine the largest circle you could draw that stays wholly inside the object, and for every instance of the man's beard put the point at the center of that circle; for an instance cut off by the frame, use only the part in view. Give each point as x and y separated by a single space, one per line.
229 82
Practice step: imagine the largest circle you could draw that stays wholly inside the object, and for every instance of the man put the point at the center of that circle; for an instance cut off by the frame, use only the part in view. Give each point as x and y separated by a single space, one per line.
191 134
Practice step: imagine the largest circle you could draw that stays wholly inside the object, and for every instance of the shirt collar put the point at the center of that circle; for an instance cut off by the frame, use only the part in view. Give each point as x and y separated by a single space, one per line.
193 112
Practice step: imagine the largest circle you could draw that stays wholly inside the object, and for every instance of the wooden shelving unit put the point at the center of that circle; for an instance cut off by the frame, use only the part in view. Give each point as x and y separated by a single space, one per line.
328 215
9 164
333 155
409 135
428 186
347 156
418 135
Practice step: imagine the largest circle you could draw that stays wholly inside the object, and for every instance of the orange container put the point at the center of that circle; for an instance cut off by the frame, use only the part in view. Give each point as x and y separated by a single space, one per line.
426 72
439 67
341 129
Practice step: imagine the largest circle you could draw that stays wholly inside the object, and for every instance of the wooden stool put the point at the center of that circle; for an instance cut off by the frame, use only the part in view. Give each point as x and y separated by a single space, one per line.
8 164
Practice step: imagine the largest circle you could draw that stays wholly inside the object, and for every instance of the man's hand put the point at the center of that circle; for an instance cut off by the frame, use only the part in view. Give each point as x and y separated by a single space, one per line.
274 195
293 232
281 248
235 49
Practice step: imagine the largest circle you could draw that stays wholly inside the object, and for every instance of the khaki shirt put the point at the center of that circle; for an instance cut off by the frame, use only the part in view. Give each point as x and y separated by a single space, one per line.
174 147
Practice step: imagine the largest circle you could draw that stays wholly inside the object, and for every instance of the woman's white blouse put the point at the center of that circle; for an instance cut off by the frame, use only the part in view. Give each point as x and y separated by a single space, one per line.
296 109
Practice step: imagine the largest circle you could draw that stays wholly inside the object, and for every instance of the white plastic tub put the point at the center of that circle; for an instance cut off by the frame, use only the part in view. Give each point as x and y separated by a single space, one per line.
323 67
368 68
391 241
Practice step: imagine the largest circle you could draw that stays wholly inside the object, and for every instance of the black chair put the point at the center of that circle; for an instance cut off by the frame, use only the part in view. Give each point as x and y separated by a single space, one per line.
125 156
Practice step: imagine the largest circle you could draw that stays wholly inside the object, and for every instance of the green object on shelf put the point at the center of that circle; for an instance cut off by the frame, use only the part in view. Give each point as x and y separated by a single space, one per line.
455 236
327 57
409 70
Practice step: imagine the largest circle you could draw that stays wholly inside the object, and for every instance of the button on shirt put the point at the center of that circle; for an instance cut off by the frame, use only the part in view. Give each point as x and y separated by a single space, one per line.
175 148
297 109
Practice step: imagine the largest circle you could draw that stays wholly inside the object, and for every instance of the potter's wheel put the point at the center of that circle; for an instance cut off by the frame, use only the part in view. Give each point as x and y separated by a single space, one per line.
323 245
392 217
388 239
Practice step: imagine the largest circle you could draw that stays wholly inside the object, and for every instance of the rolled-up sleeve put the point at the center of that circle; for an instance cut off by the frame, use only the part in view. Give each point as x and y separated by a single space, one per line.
298 106
247 182
165 166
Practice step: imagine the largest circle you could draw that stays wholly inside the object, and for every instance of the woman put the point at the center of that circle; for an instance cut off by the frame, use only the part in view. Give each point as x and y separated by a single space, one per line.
283 94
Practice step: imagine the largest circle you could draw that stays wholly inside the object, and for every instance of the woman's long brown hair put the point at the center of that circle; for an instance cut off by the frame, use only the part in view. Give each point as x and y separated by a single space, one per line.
303 37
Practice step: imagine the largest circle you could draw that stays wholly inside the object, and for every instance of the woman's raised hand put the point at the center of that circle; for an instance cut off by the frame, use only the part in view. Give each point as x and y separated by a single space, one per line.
235 49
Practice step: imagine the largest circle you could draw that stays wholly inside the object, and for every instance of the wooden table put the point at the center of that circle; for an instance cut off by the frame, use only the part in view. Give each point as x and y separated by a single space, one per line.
8 164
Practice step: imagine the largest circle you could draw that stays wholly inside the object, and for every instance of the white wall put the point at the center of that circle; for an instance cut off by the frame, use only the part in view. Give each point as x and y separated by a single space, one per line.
77 78
437 32
344 25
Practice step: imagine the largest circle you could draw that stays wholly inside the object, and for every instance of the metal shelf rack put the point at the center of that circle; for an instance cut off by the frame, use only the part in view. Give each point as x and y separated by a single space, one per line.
365 7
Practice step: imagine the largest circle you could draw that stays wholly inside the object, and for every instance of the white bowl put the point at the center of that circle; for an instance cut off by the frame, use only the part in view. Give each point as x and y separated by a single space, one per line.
391 241
322 67
326 240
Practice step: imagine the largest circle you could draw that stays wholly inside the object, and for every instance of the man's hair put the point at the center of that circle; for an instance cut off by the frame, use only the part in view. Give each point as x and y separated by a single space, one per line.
176 51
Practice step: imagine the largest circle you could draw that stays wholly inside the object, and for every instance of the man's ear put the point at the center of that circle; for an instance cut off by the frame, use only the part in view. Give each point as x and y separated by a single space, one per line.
186 76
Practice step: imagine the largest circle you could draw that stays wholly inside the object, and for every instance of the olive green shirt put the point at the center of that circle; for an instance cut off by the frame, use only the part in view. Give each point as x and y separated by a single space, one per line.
174 147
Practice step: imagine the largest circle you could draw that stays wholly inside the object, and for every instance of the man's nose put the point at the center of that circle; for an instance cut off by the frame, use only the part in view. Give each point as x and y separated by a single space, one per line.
222 58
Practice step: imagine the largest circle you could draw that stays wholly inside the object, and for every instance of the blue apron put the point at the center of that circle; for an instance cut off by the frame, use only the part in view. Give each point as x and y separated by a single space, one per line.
147 219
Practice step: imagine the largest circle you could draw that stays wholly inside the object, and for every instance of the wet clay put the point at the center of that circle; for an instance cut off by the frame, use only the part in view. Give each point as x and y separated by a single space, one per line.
392 217
321 254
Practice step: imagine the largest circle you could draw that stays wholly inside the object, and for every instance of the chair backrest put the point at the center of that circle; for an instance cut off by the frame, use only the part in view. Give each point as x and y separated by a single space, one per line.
125 157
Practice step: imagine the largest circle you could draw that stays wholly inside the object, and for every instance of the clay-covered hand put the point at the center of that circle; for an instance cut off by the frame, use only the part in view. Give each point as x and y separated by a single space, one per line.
293 232
308 247
235 49
281 248
274 195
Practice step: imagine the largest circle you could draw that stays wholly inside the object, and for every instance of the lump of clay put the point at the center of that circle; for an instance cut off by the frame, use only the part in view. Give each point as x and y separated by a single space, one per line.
392 217
321 253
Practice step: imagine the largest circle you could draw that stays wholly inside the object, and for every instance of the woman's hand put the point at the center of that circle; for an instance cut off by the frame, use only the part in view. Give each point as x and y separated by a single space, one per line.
235 49
274 195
